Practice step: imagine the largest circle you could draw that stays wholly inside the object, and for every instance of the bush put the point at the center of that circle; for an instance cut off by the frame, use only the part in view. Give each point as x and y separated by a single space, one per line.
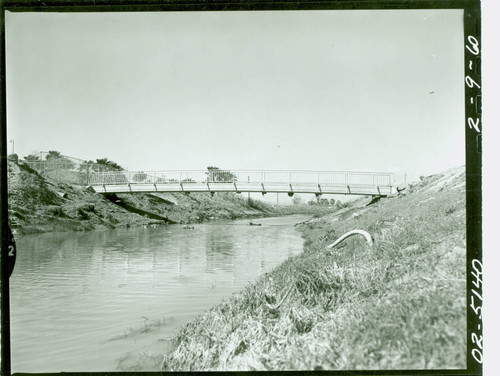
258 205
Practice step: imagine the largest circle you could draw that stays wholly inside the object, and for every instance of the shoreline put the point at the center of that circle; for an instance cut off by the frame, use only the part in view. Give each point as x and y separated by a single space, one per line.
399 304
38 204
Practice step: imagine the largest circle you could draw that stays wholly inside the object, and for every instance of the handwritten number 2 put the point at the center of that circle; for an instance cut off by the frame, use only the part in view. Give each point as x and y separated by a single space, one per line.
477 340
474 123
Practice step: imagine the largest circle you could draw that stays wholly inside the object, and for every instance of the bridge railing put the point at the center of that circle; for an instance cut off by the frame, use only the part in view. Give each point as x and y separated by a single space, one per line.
240 176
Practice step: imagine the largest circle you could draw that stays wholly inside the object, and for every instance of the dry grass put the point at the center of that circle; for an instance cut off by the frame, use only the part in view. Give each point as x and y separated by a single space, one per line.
397 305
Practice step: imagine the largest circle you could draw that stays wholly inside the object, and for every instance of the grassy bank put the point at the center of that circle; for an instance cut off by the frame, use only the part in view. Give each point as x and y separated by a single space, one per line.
399 304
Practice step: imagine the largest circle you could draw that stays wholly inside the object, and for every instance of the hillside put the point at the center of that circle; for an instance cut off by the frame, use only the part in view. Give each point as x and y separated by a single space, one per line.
399 304
38 204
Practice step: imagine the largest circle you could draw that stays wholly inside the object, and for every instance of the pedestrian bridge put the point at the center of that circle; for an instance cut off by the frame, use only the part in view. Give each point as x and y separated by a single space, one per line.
290 182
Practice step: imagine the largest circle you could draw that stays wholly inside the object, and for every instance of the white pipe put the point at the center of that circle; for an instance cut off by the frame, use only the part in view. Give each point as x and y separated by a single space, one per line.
346 235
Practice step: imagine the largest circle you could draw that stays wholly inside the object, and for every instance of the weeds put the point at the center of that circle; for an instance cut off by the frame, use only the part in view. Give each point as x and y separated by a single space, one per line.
397 305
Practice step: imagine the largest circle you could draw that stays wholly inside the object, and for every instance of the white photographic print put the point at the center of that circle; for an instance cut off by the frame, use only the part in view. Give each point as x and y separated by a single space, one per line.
241 190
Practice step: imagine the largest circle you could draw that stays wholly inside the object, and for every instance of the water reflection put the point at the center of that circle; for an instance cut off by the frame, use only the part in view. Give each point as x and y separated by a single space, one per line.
72 293
220 248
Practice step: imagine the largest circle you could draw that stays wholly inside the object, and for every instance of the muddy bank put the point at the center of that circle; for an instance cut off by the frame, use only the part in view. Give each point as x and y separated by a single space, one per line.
40 204
397 304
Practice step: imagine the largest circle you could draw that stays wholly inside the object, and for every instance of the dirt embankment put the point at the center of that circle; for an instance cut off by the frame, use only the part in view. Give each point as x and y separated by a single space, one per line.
397 304
39 204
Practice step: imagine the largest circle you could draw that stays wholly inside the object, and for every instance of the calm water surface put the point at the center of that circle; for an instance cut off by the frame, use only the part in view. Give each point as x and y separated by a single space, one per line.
83 301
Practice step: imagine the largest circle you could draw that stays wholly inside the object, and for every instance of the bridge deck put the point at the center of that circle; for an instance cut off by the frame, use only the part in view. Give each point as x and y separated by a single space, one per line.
318 182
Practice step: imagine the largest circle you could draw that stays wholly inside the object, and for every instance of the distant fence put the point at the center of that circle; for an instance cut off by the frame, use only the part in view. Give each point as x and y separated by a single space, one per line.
70 173
63 168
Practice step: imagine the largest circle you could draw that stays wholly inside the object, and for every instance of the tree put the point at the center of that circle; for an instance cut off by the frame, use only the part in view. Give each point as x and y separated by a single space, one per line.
103 164
323 201
52 155
215 174
139 176
66 163
13 158
32 158
85 164
58 161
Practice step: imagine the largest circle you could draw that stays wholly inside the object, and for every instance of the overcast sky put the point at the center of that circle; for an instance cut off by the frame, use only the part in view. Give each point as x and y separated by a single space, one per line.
317 90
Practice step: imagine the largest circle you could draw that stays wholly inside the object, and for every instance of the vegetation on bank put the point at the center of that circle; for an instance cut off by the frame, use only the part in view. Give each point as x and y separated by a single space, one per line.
41 202
399 304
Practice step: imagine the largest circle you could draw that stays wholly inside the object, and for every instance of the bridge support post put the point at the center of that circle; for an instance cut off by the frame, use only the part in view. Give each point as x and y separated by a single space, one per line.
236 188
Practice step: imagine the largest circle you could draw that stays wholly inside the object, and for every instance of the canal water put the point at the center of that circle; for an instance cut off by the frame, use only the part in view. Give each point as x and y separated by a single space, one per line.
110 300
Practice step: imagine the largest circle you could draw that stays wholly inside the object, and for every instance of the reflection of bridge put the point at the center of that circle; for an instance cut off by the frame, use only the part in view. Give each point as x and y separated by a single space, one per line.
318 182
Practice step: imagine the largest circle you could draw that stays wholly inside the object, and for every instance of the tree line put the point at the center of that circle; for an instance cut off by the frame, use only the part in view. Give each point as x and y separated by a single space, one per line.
54 158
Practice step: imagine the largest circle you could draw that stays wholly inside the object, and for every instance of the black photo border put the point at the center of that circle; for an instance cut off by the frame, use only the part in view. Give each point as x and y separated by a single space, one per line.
472 127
